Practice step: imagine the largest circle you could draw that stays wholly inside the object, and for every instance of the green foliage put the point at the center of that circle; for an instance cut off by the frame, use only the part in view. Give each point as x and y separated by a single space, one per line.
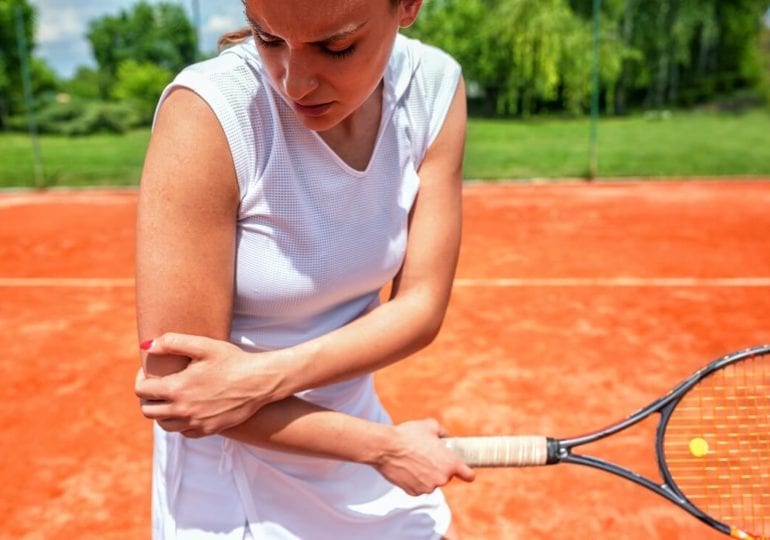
79 118
11 89
44 80
141 86
158 34
536 55
83 85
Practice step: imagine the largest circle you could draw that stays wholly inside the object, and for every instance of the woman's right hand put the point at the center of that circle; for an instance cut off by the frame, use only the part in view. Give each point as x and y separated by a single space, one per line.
418 461
219 387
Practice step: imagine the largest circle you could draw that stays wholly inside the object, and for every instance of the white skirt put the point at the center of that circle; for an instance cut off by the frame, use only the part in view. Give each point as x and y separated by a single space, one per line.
215 487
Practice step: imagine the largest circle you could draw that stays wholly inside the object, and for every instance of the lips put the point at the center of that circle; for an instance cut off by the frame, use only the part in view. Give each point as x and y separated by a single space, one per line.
312 110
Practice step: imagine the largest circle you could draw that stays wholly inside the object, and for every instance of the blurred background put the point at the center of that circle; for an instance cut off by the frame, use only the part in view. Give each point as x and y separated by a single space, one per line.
557 88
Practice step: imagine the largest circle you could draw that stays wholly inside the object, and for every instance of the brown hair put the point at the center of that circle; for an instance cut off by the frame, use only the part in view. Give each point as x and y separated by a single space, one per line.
242 34
233 38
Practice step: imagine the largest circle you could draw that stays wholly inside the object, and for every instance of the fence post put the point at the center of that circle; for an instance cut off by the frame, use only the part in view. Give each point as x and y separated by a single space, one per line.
28 98
593 158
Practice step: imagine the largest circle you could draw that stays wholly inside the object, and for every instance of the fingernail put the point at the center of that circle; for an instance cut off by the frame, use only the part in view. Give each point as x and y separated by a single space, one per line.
146 345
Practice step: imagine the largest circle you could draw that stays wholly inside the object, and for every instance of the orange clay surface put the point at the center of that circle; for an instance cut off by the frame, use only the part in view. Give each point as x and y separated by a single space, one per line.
541 337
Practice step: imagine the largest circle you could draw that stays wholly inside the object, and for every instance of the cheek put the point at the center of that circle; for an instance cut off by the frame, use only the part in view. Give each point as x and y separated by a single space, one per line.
355 76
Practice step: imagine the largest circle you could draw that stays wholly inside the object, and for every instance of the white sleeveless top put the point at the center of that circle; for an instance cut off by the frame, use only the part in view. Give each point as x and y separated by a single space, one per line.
316 242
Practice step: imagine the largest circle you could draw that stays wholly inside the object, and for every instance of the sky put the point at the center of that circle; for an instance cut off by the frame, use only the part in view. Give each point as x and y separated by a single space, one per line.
62 26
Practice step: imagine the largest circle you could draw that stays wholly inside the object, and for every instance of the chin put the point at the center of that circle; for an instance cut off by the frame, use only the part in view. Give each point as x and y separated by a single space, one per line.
320 123
316 124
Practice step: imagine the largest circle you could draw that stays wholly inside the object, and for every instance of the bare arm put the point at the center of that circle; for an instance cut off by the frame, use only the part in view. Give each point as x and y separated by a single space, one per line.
405 324
185 264
421 291
186 222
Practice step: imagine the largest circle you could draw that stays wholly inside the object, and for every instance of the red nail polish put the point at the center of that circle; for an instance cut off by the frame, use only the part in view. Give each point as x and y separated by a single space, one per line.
146 345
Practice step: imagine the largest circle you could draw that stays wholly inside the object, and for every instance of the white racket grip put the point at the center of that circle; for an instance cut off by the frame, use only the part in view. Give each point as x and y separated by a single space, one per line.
503 451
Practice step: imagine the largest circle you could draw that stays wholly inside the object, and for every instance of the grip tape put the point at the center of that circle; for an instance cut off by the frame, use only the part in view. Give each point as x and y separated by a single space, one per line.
503 451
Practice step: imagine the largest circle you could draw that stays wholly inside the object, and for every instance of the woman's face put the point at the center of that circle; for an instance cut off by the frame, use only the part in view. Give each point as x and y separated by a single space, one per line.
326 57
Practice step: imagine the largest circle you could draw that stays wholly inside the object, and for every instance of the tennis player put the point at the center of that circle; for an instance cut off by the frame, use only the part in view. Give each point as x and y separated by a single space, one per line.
316 160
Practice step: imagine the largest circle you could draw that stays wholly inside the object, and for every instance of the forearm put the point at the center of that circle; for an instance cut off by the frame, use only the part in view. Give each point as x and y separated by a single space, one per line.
297 426
411 455
412 318
386 335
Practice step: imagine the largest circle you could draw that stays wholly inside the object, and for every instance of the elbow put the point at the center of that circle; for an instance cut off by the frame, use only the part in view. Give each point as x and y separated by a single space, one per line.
430 328
426 311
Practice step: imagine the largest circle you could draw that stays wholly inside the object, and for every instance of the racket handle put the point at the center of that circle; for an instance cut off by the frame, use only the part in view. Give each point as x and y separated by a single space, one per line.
503 451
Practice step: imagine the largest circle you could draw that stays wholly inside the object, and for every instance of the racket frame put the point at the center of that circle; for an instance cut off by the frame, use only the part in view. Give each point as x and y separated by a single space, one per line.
560 450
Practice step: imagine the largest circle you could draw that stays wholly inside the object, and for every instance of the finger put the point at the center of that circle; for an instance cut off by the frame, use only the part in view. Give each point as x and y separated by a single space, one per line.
158 410
174 425
465 473
153 389
435 427
140 376
179 344
150 402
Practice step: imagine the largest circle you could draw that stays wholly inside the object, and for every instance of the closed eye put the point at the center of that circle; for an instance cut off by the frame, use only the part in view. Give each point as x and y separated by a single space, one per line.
266 40
343 53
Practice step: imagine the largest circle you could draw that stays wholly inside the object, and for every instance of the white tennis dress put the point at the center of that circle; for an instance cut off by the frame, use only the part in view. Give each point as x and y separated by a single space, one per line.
317 240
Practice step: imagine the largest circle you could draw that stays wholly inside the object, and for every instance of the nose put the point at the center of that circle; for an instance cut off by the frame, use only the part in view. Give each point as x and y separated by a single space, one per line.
299 77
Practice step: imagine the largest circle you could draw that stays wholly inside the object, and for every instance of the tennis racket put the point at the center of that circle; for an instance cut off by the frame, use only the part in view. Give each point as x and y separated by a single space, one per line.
712 445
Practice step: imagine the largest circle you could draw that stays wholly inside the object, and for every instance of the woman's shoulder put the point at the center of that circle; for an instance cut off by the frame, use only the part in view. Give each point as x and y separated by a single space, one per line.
232 84
237 66
414 55
423 79
421 71
233 87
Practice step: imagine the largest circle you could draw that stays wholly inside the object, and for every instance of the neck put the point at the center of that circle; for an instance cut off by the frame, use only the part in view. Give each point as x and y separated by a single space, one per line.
354 138
363 120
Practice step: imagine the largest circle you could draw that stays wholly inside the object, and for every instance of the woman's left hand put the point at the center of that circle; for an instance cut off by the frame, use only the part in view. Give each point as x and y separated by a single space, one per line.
221 386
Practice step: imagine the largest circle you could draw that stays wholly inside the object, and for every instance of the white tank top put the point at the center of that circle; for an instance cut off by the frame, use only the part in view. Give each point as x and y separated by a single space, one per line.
316 242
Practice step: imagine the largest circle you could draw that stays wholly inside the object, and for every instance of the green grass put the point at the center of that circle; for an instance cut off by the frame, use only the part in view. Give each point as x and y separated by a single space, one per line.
97 160
686 144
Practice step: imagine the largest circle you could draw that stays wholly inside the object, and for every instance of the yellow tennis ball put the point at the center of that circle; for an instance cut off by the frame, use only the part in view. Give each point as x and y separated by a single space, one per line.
699 447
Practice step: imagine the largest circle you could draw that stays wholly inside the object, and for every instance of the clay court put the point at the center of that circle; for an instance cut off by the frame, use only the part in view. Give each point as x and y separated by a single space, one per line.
575 304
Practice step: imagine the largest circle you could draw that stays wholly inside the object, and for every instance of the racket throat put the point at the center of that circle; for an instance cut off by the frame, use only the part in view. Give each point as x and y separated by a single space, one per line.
555 452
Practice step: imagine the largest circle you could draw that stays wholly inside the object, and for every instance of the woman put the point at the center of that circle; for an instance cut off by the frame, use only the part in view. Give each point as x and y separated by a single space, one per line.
280 184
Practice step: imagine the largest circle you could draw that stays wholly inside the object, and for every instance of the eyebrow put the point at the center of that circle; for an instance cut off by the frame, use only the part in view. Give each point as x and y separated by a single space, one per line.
337 36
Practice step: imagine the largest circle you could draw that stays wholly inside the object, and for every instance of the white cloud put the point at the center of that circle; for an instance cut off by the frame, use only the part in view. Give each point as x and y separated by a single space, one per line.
217 19
62 25
219 24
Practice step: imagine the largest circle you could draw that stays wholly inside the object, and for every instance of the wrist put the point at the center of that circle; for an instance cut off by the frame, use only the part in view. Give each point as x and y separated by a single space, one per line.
382 445
295 368
275 375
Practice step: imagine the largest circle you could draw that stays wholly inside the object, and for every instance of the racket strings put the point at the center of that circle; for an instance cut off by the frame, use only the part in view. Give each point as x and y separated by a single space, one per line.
717 445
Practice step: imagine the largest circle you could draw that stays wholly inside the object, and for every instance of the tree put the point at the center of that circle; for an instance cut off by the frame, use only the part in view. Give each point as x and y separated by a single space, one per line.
525 54
11 87
159 34
460 27
682 52
531 55
84 84
141 84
